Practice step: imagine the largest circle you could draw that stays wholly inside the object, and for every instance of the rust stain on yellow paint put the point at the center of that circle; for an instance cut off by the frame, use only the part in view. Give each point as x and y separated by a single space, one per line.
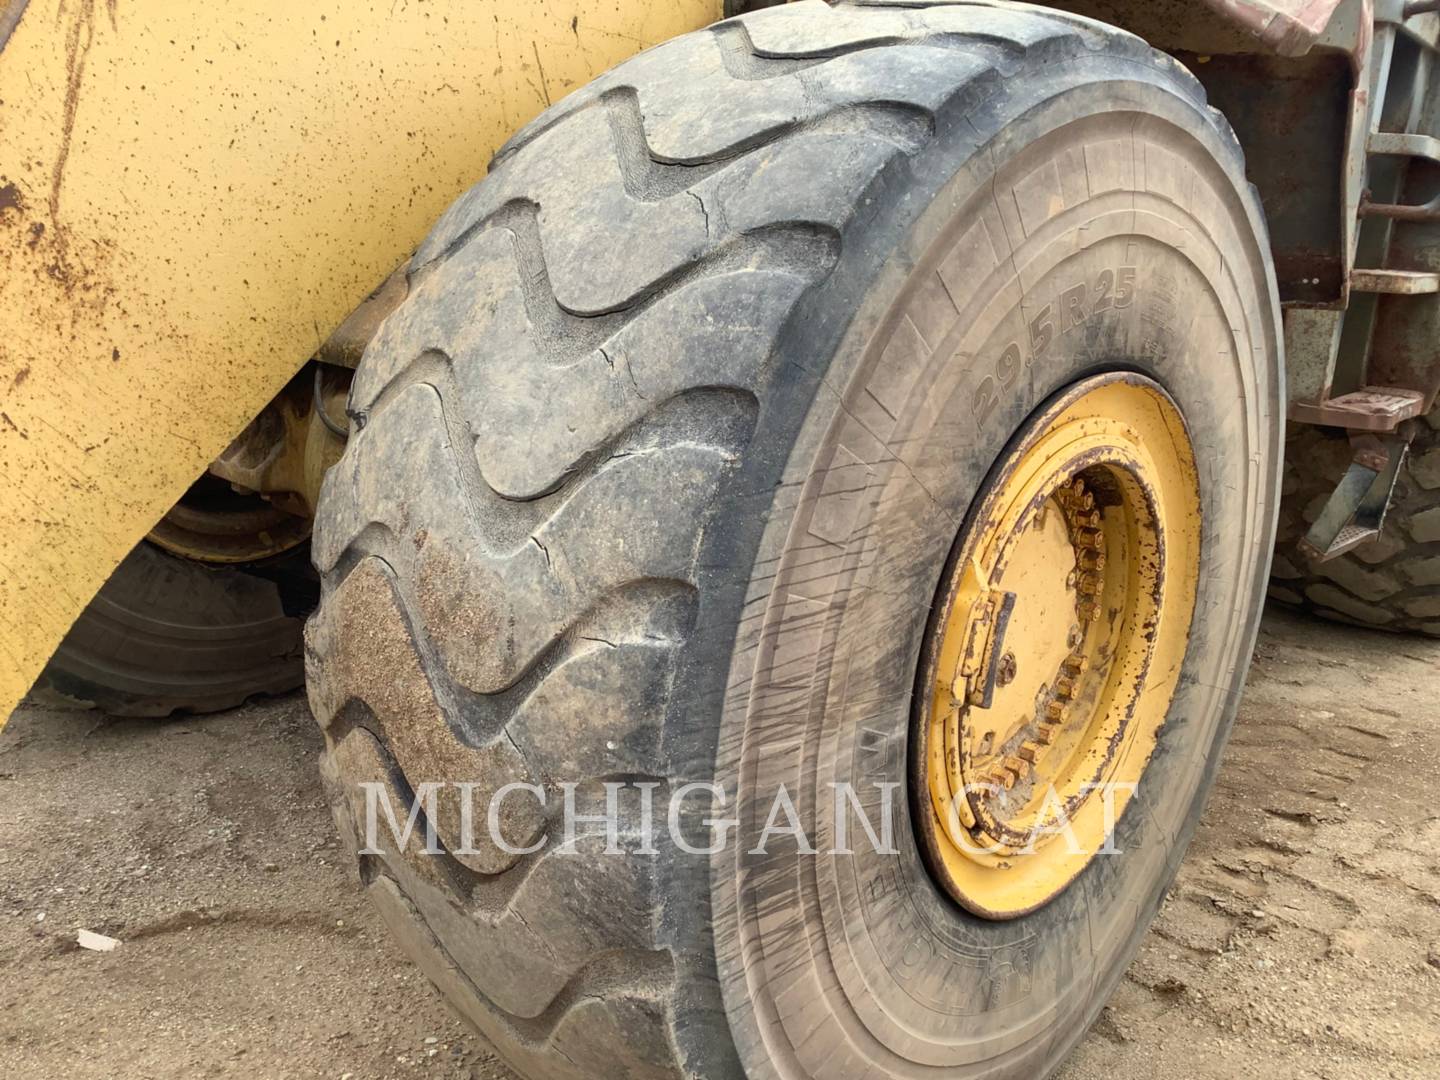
191 198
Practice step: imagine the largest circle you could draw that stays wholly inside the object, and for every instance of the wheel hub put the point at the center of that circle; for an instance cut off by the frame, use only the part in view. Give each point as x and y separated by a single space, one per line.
213 523
1057 644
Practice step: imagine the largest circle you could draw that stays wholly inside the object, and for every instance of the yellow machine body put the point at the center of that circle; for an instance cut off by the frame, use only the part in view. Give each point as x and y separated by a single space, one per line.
192 197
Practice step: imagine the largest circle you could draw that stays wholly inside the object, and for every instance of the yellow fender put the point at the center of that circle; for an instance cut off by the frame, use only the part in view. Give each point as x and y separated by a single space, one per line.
192 197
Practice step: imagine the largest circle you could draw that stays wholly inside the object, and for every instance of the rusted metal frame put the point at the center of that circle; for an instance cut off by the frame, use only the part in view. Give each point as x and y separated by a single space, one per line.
1392 138
1330 352
1405 346
1314 333
1289 28
1390 144
1399 112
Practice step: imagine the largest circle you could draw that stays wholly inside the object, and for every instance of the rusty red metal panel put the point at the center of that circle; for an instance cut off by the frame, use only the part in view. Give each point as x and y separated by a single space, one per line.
1290 27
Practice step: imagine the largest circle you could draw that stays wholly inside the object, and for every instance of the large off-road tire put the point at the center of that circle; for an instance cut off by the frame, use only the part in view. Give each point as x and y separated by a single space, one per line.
1391 583
657 476
167 634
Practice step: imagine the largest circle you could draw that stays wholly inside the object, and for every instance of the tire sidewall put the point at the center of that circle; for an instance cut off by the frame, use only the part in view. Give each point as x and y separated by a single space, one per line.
855 538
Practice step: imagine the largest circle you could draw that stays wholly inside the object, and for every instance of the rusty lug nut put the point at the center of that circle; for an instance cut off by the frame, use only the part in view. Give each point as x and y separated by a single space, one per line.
1005 675
1047 734
1089 612
1030 751
1092 560
1002 778
1019 767
1064 687
1057 713
1077 665
1089 584
1088 538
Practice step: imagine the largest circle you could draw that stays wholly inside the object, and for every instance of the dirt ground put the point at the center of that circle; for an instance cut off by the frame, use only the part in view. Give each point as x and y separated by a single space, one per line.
1302 939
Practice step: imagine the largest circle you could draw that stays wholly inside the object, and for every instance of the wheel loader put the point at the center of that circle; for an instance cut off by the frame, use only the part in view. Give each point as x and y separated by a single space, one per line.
613 411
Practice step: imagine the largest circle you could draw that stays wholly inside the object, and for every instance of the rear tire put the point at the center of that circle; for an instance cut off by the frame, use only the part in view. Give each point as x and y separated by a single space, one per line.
1391 583
657 473
167 634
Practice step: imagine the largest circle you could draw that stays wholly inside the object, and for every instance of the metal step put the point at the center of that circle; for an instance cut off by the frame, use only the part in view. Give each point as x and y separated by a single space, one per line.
1355 511
1395 282
1396 144
1371 408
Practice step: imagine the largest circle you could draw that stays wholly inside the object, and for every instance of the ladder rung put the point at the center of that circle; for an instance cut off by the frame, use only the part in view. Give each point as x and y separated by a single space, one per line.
1394 144
1371 408
1395 282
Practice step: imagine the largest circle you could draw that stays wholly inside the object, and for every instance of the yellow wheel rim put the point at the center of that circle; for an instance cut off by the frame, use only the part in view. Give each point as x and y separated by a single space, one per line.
1058 643
213 523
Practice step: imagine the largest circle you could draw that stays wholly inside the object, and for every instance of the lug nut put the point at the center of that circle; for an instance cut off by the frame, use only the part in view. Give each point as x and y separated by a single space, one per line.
1005 675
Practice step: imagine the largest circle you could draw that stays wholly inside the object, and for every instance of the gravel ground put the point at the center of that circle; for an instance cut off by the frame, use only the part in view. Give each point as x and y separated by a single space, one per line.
1302 939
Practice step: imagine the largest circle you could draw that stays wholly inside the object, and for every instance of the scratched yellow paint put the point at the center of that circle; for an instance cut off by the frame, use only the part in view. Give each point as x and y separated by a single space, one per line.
191 197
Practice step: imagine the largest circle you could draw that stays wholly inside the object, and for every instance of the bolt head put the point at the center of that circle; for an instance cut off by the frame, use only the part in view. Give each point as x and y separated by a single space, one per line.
1007 671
